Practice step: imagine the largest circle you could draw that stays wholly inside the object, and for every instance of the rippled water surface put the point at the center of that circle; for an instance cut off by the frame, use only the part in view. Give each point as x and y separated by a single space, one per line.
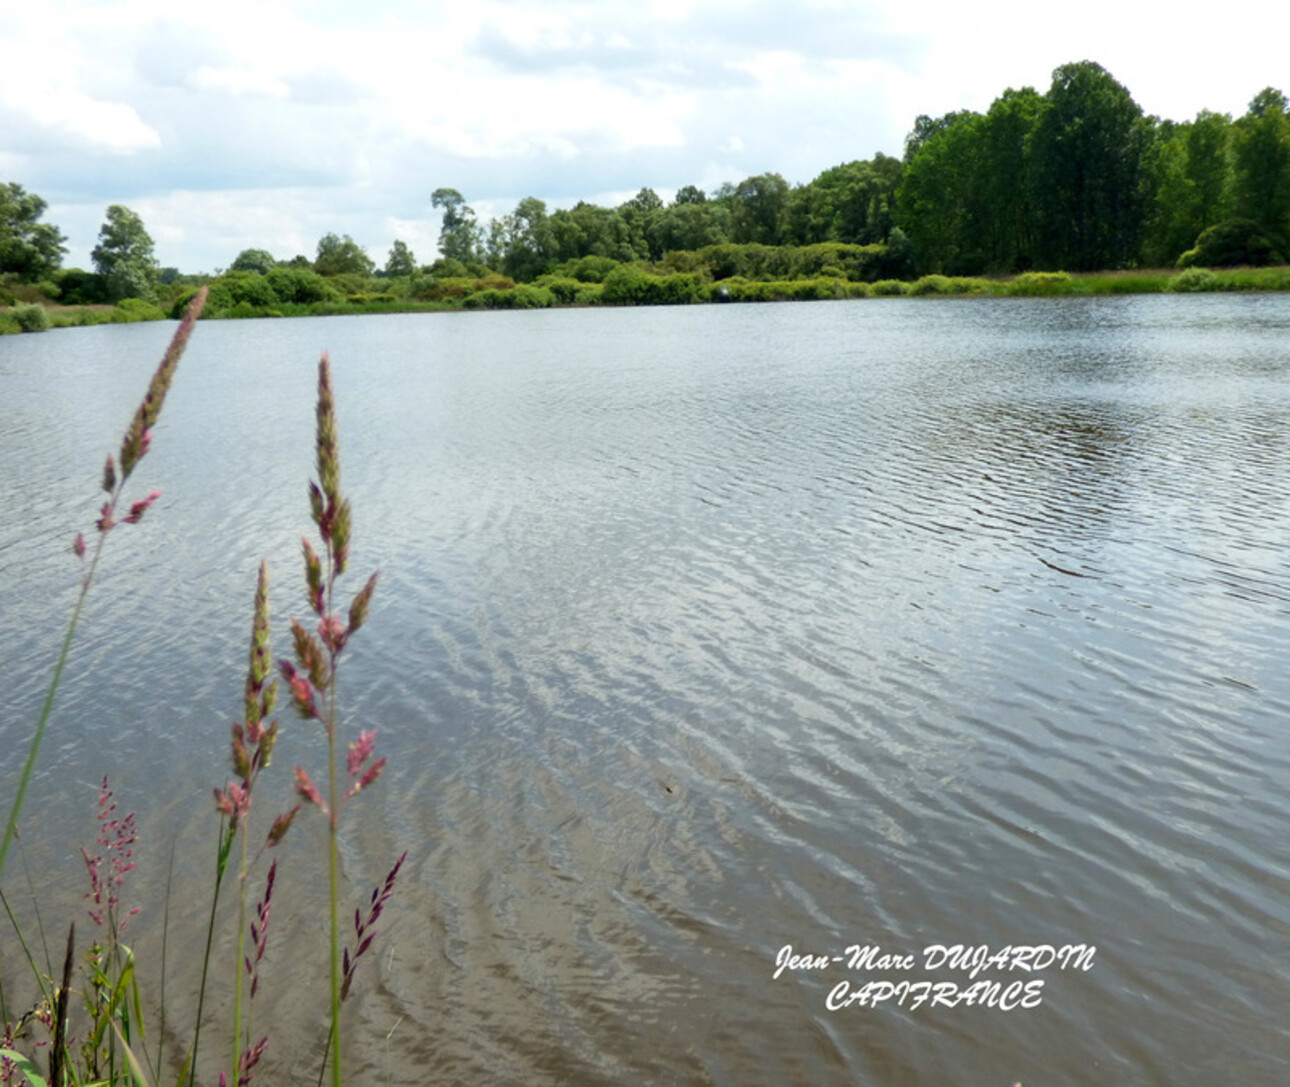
701 632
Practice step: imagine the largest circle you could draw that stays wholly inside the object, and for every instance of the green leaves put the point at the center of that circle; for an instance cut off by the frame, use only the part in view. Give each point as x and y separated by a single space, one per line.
33 1077
124 255
30 249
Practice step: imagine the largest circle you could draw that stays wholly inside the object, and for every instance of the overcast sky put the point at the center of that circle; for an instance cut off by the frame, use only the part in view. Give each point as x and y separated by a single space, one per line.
268 123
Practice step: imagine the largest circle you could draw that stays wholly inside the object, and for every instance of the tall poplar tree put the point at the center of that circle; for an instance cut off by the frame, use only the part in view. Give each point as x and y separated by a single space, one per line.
1087 158
1262 151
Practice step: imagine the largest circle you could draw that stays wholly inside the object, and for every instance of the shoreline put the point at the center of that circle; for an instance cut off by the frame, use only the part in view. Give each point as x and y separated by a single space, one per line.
648 289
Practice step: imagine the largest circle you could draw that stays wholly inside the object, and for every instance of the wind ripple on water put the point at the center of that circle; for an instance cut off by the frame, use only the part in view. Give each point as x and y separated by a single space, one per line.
702 632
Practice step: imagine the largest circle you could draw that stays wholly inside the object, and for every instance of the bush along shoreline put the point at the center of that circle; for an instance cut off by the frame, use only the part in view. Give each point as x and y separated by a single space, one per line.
683 279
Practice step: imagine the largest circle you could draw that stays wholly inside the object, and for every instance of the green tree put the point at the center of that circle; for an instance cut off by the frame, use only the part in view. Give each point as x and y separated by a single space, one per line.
1003 207
400 261
1209 167
851 203
936 193
689 225
1086 175
586 230
758 209
124 256
1194 183
342 256
690 194
926 127
522 243
30 249
254 260
1262 152
966 201
640 213
460 237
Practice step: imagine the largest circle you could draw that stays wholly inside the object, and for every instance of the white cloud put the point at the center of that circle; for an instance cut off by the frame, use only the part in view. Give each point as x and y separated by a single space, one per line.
112 126
238 81
269 122
39 89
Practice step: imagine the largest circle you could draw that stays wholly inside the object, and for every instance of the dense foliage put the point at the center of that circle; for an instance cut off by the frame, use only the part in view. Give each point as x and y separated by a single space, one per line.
29 250
124 256
1078 178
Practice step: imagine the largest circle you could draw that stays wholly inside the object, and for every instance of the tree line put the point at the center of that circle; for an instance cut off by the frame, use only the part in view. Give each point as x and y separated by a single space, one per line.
1077 178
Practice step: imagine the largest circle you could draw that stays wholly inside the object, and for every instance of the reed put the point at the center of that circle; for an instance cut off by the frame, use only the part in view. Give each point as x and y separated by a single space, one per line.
318 653
135 445
105 1046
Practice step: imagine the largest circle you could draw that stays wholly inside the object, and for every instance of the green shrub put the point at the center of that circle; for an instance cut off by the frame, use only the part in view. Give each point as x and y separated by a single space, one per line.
972 285
625 285
630 285
890 288
526 296
77 287
347 283
299 285
739 289
448 268
820 288
897 257
932 284
1193 279
87 318
591 269
129 310
489 298
31 318
564 289
679 289
220 299
1040 283
1231 243
251 288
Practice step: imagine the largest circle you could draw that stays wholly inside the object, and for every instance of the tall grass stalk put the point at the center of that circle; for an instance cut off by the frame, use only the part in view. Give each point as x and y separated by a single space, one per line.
253 741
318 656
112 1050
137 439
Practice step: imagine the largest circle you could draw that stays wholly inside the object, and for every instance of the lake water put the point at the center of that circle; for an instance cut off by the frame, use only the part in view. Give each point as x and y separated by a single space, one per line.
701 632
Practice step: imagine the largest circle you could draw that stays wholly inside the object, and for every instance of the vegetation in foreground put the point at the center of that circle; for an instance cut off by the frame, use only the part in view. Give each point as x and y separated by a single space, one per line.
101 1041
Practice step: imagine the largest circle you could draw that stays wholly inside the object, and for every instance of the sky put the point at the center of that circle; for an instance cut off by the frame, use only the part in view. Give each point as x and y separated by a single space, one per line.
269 123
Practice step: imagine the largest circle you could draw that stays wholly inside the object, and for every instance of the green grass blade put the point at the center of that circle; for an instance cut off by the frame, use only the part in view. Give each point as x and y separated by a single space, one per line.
136 1069
119 993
